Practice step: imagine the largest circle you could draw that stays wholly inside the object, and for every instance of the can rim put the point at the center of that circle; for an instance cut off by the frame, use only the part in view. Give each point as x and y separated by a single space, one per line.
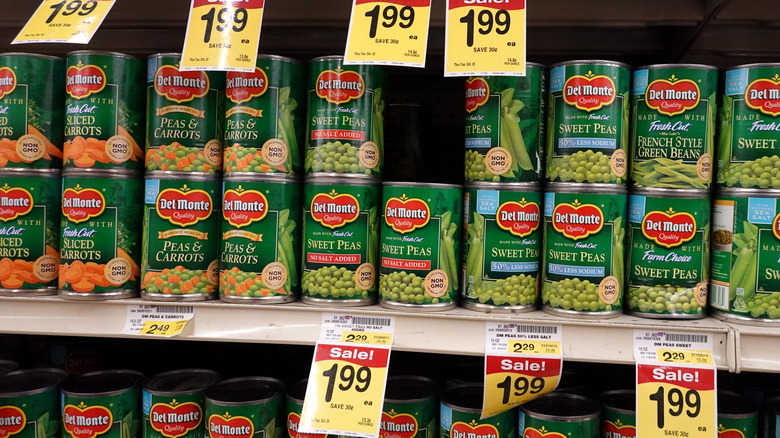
604 62
422 381
105 53
22 172
282 178
508 186
101 173
607 399
668 65
754 65
738 401
750 192
326 58
447 393
587 404
203 376
162 54
55 373
33 55
199 176
276 384
421 185
667 192
338 179
73 392
279 58
567 187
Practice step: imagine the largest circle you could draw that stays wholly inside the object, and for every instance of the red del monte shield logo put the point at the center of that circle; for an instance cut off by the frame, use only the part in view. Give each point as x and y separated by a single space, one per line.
460 429
83 80
589 92
764 95
79 204
618 430
7 81
12 421
776 226
577 221
339 86
477 93
405 215
175 419
241 87
530 432
397 425
669 229
673 96
730 433
225 426
519 218
180 86
242 207
14 202
334 210
293 420
184 207
84 421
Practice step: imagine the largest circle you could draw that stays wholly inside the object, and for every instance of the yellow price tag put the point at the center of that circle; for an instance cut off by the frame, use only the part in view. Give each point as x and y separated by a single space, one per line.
675 401
222 35
692 357
526 346
513 380
390 32
163 328
485 38
367 338
64 21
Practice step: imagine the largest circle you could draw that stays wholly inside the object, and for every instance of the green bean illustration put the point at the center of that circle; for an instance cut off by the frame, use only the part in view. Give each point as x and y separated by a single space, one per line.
618 252
665 172
378 124
285 248
286 127
724 138
447 260
515 143
474 258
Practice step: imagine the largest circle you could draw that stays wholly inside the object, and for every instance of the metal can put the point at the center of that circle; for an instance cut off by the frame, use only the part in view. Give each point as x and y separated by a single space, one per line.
185 117
264 122
105 107
345 118
668 253
420 245
748 149
745 285
181 237
569 415
341 237
99 246
770 423
587 124
501 252
294 408
583 249
30 403
173 403
618 413
505 126
461 407
31 128
29 232
261 234
673 120
249 403
737 416
105 403
410 409
6 366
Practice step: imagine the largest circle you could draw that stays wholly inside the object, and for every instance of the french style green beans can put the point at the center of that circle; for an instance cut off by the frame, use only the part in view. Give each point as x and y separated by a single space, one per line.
584 230
618 414
737 416
410 408
460 412
30 403
673 120
245 407
261 228
420 249
340 241
748 149
264 119
505 126
502 247
587 128
745 285
345 125
559 415
668 253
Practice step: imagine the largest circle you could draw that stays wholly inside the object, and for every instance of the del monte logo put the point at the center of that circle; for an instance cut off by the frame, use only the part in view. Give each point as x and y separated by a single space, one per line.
185 206
180 86
589 92
339 86
764 95
477 93
80 204
776 226
7 81
175 419
404 214
241 207
82 421
519 218
577 221
83 80
394 425
531 432
12 421
729 433
14 202
669 228
473 429
334 210
241 87
227 426
618 430
672 96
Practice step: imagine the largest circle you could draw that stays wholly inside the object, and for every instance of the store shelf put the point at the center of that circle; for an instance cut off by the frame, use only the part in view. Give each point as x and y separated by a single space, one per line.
756 348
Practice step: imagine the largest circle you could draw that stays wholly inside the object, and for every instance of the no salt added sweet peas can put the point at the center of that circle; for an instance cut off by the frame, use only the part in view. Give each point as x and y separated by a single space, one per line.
174 401
420 245
459 417
30 403
568 415
251 407
583 269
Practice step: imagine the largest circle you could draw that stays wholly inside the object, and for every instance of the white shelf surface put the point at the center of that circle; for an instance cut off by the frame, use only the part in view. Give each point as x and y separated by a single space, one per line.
457 331
757 348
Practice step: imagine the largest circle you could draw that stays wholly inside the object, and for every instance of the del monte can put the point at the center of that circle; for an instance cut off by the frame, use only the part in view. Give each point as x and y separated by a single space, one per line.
174 403
30 403
460 415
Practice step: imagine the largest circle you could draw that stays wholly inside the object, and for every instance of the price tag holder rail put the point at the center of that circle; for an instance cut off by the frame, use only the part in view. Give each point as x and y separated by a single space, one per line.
157 320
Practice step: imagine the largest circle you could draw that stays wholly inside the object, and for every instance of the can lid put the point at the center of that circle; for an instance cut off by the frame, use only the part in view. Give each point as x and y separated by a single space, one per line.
691 66
192 176
664 192
101 383
281 178
609 189
327 58
245 389
410 389
279 58
101 173
466 397
559 406
421 185
297 390
621 400
32 55
181 381
604 62
17 172
104 53
6 366
506 186
748 192
31 381
755 65
164 54
733 405
344 179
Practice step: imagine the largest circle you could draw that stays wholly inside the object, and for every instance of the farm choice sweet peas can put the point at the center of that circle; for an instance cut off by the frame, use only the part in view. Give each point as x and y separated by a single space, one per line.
31 126
265 117
587 129
502 248
668 253
340 241
185 117
460 411
173 403
505 126
261 229
558 414
29 232
100 244
105 106
245 407
420 249
345 126
181 237
30 403
584 230
673 136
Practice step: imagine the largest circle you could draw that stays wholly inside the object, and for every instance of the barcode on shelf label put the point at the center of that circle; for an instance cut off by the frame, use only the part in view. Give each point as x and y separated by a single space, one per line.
363 320
334 325
659 347
174 309
679 337
499 337
540 329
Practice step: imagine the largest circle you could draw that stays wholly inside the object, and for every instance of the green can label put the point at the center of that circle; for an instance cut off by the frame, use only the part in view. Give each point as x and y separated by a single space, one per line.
502 251
583 251
409 420
346 122
674 130
615 424
173 416
114 416
668 255
32 114
181 237
738 427
420 244
265 119
748 146
504 127
31 416
184 125
341 237
259 420
29 232
464 424
588 120
99 248
745 251
260 239
532 427
104 112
